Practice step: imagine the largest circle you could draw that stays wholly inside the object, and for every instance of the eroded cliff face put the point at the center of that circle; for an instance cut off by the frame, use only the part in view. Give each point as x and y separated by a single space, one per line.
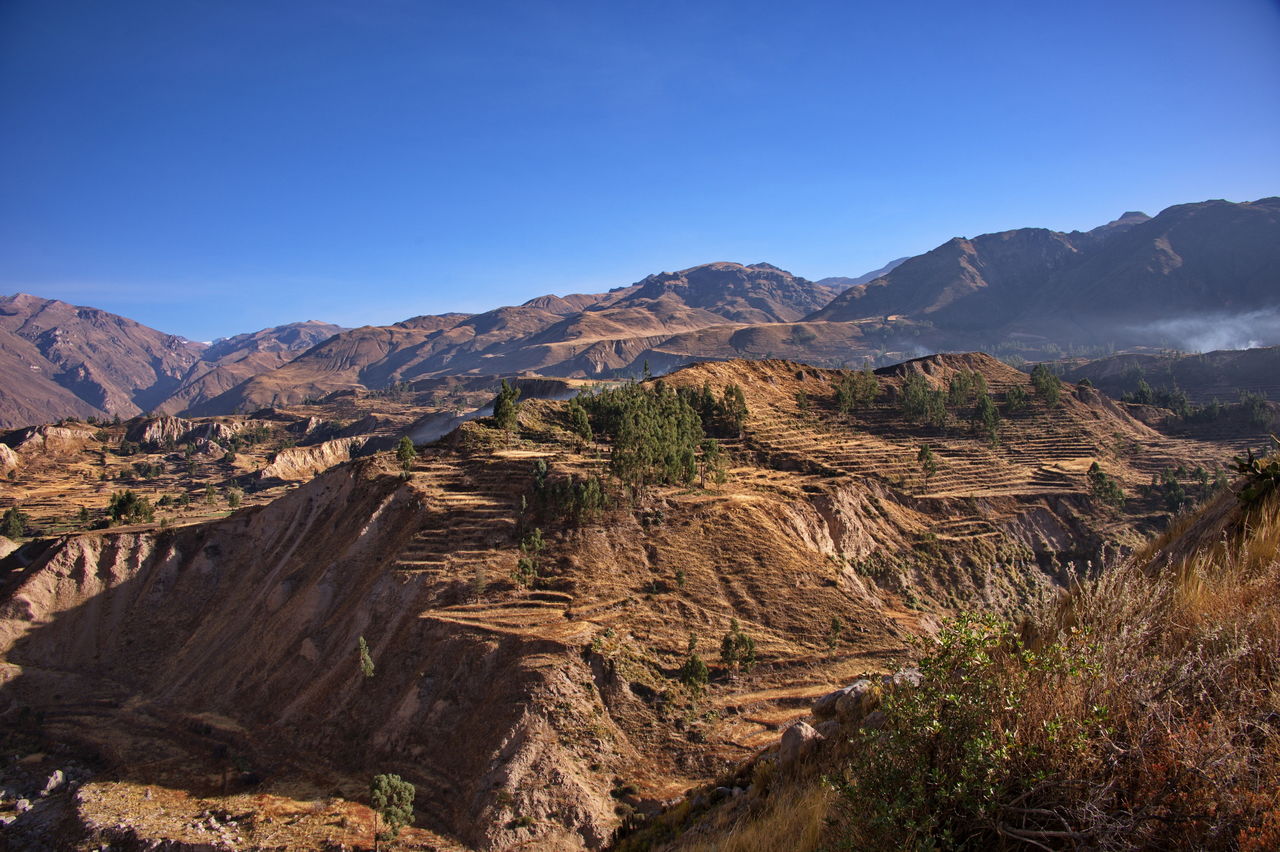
256 618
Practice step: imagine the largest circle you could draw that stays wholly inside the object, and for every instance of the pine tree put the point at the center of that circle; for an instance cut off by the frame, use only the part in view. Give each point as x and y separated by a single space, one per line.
392 800
406 452
506 407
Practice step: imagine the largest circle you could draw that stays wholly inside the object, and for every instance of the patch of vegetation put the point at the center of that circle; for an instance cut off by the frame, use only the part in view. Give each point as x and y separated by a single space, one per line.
1104 487
856 390
392 801
366 661
14 523
127 507
1048 386
694 673
737 649
506 407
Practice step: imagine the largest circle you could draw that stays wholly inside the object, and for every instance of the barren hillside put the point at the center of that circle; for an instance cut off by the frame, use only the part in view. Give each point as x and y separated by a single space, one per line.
539 713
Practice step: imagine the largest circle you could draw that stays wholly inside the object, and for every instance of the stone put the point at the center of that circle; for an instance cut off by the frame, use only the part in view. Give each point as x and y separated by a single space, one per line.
825 707
797 741
54 783
860 699
22 806
830 729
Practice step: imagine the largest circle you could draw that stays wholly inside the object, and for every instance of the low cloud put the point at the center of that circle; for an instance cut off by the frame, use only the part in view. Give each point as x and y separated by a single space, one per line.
1208 332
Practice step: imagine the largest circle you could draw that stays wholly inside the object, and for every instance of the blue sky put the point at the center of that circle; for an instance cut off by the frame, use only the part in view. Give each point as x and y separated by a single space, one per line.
216 166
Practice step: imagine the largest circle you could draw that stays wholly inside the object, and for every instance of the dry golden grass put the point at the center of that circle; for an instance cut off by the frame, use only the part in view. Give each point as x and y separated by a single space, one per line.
792 819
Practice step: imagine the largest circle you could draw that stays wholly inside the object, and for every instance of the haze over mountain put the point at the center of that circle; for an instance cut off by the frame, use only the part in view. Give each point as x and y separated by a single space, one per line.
1124 282
1195 274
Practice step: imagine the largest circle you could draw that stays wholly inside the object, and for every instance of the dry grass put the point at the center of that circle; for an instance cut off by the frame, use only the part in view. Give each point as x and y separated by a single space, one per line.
1140 712
792 819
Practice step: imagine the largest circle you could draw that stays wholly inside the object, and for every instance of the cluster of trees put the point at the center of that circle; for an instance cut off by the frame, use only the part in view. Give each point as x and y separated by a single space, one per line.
128 507
1104 487
723 417
922 404
856 390
572 499
659 435
531 547
1048 386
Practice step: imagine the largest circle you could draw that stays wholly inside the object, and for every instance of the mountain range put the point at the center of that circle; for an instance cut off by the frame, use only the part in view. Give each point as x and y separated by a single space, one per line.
1178 278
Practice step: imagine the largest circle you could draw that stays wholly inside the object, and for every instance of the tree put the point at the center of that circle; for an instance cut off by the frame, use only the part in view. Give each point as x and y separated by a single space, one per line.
126 507
14 522
579 422
987 418
531 548
506 407
711 460
928 462
392 800
1105 488
366 661
1047 385
1015 399
737 649
694 673
406 453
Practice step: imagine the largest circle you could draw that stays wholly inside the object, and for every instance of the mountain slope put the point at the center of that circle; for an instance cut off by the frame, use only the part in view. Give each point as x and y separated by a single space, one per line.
111 363
1213 258
232 360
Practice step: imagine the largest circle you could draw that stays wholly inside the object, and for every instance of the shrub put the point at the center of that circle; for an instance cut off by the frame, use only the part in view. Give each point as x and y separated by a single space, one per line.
14 522
1048 386
392 800
737 649
366 661
694 673
128 508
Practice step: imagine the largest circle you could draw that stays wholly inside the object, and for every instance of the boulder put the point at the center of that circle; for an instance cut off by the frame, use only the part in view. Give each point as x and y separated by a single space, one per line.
825 707
797 741
860 698
829 729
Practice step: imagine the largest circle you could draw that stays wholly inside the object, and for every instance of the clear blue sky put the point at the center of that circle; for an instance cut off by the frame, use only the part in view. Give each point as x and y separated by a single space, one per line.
215 166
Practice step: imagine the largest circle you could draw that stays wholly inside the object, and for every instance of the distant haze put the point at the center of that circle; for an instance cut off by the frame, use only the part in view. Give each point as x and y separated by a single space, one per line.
1206 333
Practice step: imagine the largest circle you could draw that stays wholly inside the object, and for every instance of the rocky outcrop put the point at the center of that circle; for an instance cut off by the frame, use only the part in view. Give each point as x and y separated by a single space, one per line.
159 432
8 459
50 440
302 463
256 619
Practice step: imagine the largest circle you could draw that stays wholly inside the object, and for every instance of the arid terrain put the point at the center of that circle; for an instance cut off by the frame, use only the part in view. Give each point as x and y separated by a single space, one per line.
1197 276
197 677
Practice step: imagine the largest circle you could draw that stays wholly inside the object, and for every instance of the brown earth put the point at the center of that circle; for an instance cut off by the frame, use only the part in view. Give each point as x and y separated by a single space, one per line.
539 718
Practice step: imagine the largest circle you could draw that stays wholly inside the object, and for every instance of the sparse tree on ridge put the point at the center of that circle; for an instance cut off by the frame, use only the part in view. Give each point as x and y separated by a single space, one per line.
406 453
506 407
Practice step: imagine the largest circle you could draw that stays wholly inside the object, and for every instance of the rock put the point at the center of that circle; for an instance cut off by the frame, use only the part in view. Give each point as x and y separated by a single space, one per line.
22 806
301 463
54 783
825 707
7 546
159 432
875 721
829 729
7 820
861 699
8 459
796 742
904 677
